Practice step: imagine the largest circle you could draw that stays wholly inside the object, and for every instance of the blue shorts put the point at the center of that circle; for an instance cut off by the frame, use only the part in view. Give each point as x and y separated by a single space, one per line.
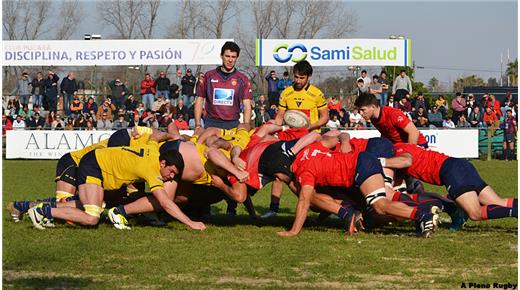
209 122
273 160
509 137
66 170
89 169
367 165
170 145
424 145
460 176
380 147
119 138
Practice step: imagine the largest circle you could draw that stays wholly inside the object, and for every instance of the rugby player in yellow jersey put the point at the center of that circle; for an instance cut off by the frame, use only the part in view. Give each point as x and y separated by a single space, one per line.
304 97
111 169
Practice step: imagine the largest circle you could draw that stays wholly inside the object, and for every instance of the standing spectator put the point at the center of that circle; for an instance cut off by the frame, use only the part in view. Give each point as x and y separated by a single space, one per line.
224 90
384 86
188 87
262 102
58 123
376 88
284 83
181 123
19 123
51 90
147 91
120 122
420 102
333 122
262 117
507 103
68 89
90 105
459 107
442 105
344 118
448 123
22 87
106 108
391 102
402 86
435 117
162 86
366 79
475 118
334 106
361 89
510 129
36 122
119 92
272 88
104 123
75 107
176 87
38 89
181 109
463 123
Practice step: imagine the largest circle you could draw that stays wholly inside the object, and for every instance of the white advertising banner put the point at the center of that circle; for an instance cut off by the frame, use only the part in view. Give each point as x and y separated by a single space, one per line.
112 52
334 52
36 144
460 143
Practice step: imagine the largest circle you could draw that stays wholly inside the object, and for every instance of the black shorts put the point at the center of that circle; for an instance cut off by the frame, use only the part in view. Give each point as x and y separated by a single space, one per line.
170 145
380 147
66 170
460 176
509 137
367 165
89 170
273 161
120 138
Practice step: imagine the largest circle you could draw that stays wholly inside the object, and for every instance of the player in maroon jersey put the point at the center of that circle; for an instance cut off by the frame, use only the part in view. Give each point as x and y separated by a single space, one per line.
317 165
464 184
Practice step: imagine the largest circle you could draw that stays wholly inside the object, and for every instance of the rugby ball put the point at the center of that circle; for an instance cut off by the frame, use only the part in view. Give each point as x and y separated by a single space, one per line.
296 119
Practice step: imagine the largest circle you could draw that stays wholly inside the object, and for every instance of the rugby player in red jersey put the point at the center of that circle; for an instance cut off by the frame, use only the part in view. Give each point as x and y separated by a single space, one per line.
317 166
462 181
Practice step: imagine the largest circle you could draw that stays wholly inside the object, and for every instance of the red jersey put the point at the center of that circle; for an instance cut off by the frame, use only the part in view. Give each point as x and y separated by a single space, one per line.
317 165
358 144
391 123
426 164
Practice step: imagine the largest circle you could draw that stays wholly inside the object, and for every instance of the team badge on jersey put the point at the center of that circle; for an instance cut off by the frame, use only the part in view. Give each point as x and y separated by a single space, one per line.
223 97
234 82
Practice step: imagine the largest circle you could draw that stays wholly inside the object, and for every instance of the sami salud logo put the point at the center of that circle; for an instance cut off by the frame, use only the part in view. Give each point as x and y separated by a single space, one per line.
283 53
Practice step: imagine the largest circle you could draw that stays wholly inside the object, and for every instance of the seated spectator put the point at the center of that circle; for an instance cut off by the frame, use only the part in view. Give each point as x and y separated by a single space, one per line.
272 111
166 119
334 106
391 102
404 105
136 121
475 118
490 117
7 125
157 104
463 123
442 105
36 122
492 103
435 117
262 102
470 102
448 123
181 123
131 104
19 123
333 122
419 118
90 105
49 120
140 109
262 117
343 118
80 123
76 107
70 124
58 123
181 109
151 121
107 108
104 123
355 118
90 126
120 122
420 101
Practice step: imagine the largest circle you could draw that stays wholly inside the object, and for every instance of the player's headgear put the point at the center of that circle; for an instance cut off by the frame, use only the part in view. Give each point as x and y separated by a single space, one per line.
231 46
173 157
366 99
303 68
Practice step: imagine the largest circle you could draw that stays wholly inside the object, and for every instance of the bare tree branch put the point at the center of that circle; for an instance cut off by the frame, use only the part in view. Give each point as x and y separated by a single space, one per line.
71 13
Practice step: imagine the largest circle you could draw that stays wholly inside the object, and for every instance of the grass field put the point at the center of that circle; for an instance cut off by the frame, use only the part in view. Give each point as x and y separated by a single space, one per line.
235 255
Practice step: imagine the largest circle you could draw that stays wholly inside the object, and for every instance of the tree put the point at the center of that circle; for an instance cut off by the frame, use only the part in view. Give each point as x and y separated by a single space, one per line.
492 82
512 72
469 81
433 83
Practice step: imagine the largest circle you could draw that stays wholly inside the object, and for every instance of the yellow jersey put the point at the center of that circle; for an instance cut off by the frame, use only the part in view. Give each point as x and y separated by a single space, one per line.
209 167
78 154
307 100
236 137
121 166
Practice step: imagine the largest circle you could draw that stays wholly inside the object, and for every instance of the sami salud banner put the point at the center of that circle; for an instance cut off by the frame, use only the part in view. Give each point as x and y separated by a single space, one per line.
112 52
334 52
36 144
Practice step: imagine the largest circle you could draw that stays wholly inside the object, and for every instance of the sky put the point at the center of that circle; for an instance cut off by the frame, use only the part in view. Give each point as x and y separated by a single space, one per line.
449 39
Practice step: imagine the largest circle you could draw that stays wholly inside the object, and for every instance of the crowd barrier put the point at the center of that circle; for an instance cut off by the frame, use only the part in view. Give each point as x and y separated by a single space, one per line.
46 144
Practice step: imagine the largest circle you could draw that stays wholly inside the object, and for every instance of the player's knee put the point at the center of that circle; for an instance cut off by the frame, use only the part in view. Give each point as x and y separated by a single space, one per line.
93 214
377 201
240 198
474 214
